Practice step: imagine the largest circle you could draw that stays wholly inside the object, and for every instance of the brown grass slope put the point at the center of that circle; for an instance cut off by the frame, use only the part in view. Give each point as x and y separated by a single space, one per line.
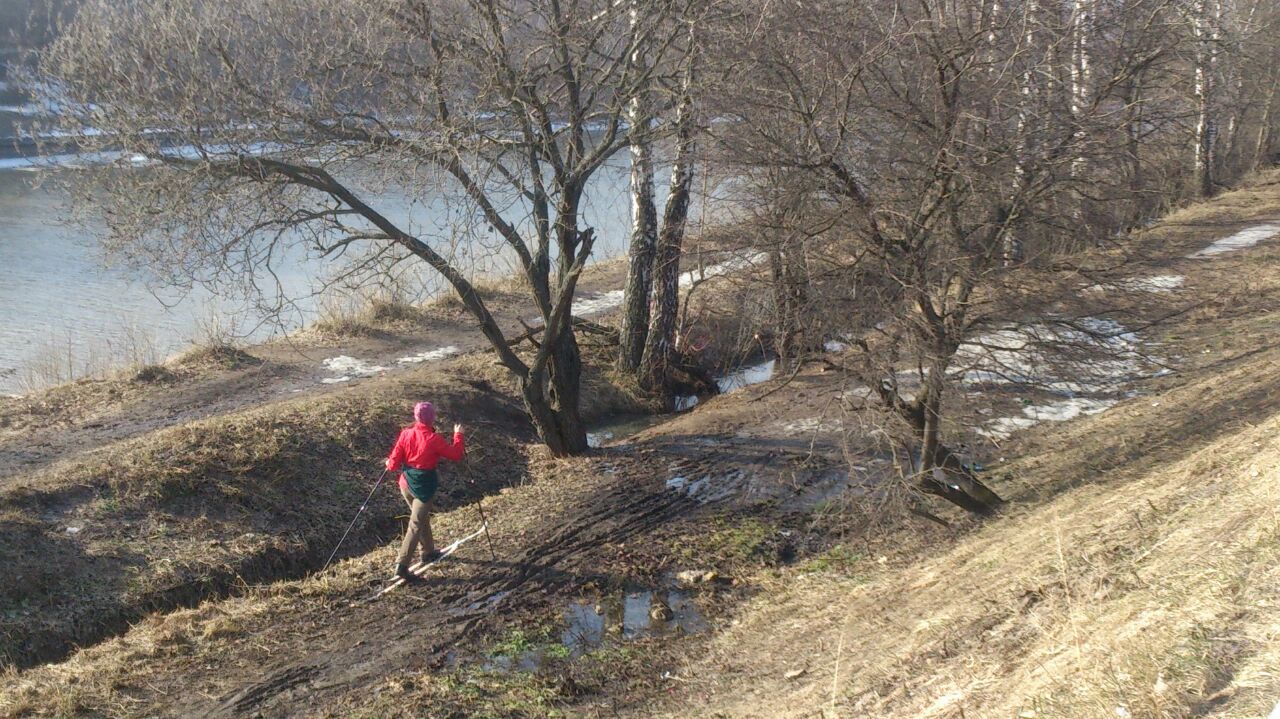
93 543
1137 573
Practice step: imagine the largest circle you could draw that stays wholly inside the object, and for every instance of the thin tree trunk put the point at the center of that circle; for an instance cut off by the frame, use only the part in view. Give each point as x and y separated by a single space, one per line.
941 471
1133 148
1205 27
1261 146
644 229
660 345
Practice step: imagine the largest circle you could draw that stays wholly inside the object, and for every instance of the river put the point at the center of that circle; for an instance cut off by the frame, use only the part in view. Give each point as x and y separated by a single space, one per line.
65 310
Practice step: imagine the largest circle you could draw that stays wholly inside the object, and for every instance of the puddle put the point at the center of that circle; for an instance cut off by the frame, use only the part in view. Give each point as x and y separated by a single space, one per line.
590 624
619 429
630 616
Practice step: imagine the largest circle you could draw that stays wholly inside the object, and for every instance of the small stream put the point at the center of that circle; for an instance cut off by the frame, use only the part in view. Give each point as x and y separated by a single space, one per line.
619 429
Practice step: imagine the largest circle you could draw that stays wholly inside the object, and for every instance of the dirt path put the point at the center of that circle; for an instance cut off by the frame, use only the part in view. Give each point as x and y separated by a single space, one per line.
417 626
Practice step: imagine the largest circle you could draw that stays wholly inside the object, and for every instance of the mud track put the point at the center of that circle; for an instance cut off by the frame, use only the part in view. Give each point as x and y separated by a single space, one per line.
416 626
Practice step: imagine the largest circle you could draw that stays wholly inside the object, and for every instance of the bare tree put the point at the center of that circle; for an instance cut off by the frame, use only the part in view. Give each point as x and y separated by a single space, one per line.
935 137
274 124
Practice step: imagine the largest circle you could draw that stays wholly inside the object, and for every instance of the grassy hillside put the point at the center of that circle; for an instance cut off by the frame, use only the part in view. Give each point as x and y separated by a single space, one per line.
1135 572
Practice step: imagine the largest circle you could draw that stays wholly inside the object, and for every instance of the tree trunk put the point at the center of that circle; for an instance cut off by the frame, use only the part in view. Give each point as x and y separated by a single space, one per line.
1261 147
791 296
941 471
552 400
1205 27
660 345
644 229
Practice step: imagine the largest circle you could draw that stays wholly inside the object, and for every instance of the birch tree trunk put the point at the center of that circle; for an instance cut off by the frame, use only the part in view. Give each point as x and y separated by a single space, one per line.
1205 27
1081 27
660 345
644 227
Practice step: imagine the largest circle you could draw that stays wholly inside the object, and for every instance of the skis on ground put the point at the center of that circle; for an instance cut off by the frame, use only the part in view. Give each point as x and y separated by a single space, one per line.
420 568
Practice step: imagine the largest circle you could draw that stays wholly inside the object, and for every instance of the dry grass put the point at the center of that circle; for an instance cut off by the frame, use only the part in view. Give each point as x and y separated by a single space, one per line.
171 516
1136 574
1147 590
369 318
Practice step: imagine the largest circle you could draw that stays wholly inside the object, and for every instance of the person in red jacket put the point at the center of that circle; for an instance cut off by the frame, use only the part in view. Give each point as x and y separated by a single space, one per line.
415 455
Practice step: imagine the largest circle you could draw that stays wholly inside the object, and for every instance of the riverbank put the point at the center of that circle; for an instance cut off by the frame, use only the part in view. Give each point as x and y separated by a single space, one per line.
750 532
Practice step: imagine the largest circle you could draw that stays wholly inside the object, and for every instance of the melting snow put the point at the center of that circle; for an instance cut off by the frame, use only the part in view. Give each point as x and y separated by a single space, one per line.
746 376
598 303
429 355
811 425
709 488
834 346
688 279
348 368
596 439
1057 411
1156 283
1239 241
1107 355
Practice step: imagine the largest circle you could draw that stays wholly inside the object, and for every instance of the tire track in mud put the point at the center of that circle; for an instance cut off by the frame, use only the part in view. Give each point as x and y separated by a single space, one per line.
446 619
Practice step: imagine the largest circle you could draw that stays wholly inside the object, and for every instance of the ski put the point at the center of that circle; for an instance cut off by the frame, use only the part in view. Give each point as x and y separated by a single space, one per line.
420 568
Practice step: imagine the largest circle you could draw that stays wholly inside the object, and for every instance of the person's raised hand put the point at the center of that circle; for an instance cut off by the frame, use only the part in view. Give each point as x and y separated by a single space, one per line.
457 429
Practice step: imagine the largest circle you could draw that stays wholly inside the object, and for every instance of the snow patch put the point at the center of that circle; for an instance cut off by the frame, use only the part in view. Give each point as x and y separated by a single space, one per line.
1241 240
1056 411
1157 284
686 402
1096 353
811 425
428 356
348 368
688 279
598 303
597 439
834 346
746 376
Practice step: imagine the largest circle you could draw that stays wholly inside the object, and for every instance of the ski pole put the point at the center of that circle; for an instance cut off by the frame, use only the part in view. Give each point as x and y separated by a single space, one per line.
484 521
485 524
353 519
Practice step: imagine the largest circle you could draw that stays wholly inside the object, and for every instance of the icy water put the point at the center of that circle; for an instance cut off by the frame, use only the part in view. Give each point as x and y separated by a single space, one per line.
60 302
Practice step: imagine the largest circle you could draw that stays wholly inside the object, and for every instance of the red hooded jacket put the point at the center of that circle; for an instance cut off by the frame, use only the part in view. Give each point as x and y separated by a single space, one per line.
420 447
